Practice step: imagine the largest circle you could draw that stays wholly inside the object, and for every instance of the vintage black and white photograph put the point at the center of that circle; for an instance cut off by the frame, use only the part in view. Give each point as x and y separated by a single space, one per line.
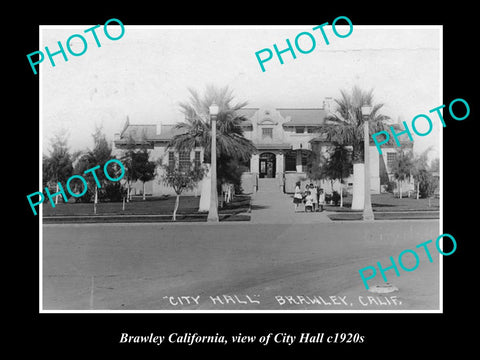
323 194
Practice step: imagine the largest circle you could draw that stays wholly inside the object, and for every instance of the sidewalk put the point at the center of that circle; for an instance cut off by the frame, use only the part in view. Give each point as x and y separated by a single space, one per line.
271 206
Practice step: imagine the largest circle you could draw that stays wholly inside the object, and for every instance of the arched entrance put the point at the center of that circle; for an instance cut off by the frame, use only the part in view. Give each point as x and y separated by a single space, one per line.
266 165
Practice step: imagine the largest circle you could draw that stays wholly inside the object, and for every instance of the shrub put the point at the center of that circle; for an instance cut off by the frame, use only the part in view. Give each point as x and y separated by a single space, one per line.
390 186
328 198
428 185
114 192
336 198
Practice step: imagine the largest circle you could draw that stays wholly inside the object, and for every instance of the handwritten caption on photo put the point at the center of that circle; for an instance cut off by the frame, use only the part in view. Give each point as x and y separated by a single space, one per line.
78 52
331 301
270 338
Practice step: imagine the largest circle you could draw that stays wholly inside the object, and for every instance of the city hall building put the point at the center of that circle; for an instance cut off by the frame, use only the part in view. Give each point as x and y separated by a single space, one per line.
283 138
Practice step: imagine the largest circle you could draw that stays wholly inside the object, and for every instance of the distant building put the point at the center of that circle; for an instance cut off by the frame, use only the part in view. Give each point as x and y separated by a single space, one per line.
283 137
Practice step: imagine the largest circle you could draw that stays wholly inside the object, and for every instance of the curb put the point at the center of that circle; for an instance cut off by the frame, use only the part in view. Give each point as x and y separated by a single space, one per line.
384 215
72 219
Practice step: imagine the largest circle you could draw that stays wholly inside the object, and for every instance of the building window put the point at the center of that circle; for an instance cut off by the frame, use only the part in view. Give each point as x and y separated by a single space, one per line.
171 159
197 159
311 130
391 157
300 129
184 160
290 161
304 160
267 133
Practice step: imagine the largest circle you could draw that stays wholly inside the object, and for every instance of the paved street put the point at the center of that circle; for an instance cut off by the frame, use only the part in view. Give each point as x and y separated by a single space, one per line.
139 266
281 260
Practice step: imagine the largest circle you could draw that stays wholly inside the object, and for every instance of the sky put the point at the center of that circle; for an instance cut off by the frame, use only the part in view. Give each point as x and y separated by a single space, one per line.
147 72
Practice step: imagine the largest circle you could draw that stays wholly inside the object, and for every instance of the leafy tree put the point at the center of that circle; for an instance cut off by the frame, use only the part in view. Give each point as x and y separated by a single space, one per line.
420 164
230 170
345 127
402 168
180 180
316 161
427 184
339 166
98 156
57 167
427 181
144 167
435 165
128 161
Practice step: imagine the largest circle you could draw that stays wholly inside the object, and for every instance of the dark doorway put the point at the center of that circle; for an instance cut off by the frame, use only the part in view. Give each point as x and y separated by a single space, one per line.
267 165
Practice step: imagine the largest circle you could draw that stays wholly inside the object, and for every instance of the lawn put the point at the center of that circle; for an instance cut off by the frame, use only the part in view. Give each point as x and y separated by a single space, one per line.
151 206
387 202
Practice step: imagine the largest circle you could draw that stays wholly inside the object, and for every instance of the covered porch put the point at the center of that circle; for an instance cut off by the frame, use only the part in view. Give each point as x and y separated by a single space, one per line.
285 164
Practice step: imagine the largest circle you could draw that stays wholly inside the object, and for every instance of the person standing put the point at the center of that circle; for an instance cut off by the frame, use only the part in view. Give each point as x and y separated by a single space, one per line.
297 196
321 200
308 202
313 190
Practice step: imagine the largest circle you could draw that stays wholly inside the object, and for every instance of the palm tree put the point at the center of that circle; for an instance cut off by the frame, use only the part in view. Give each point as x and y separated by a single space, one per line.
345 128
195 131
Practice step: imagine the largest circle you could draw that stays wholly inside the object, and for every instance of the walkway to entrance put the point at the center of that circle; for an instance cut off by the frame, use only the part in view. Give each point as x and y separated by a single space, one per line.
271 206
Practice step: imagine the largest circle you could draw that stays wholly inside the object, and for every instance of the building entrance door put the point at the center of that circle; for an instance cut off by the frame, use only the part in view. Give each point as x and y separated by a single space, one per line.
267 165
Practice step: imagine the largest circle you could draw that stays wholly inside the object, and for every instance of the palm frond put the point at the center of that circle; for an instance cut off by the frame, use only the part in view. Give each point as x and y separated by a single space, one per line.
196 128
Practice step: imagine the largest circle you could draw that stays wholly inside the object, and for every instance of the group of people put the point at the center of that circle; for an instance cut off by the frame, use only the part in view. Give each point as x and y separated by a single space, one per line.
312 197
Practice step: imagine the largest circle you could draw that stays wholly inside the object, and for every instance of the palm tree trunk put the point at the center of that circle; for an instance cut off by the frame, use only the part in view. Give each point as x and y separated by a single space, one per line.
358 198
144 190
95 201
56 197
205 191
177 201
400 187
341 193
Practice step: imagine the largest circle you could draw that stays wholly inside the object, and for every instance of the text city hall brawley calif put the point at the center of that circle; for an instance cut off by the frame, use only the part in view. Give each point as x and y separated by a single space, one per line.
285 300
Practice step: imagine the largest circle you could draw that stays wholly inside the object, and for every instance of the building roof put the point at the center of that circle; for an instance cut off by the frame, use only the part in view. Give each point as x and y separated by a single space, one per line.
303 117
247 113
390 144
269 146
139 132
168 132
298 116
146 133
